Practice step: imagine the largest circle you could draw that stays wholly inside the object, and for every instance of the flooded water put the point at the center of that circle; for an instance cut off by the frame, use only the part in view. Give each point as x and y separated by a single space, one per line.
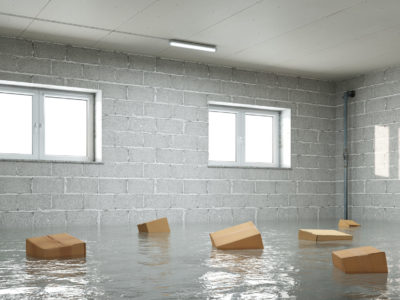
121 263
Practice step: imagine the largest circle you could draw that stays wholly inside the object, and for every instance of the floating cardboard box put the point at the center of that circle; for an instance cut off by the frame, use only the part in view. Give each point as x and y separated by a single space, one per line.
243 236
54 246
159 225
319 235
360 260
348 224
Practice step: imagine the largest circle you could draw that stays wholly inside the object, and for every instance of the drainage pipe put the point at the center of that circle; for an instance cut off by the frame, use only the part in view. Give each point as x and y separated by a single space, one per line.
346 96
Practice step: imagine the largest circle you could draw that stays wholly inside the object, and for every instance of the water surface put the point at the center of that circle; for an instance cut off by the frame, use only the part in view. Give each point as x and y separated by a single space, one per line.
121 263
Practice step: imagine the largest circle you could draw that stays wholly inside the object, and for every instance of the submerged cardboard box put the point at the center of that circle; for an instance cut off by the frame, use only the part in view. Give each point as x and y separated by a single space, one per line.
243 236
360 260
54 246
159 225
347 224
323 235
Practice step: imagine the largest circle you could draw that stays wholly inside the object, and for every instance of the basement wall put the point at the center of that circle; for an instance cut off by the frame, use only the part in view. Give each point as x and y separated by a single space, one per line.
155 144
374 142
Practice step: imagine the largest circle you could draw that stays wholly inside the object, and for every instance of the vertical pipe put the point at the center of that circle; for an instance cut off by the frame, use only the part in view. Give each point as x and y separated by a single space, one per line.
346 96
345 160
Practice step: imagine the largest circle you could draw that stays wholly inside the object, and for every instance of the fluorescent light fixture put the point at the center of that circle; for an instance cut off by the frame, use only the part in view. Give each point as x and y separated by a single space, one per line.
194 46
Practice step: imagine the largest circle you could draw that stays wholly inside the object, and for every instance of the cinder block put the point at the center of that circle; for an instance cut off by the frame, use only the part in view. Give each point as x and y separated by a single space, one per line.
48 218
34 65
347 224
146 63
159 225
170 126
82 217
113 186
360 260
217 72
66 69
141 186
157 79
55 246
243 236
168 96
243 76
114 59
170 66
140 93
81 185
320 235
102 73
15 46
114 217
8 62
15 185
195 69
83 55
129 76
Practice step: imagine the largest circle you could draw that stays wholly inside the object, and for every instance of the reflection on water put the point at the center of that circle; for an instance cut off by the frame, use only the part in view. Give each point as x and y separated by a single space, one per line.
121 263
154 248
365 285
29 277
249 273
328 244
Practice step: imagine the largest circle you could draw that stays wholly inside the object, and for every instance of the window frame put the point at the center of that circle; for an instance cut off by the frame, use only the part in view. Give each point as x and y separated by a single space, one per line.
93 99
280 134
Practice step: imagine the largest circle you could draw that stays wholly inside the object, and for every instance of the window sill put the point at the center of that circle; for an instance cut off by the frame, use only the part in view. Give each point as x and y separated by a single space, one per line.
52 161
248 167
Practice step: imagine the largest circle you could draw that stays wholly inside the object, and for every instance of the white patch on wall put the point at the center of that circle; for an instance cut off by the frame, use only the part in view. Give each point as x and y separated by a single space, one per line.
381 149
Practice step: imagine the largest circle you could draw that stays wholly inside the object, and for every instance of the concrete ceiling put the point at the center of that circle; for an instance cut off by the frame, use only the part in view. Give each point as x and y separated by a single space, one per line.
328 39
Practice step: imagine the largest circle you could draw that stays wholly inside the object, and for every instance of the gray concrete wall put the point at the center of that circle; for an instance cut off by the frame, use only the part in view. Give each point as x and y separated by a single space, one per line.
155 144
374 141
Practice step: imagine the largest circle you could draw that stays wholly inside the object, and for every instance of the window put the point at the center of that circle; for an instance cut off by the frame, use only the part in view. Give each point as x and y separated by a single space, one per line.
248 135
40 122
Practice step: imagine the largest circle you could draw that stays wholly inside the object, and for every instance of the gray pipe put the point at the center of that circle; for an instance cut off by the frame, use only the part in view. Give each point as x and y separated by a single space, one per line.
346 96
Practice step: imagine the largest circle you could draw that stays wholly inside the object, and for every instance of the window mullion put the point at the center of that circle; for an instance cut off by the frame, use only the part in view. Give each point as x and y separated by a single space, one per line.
240 138
41 125
35 125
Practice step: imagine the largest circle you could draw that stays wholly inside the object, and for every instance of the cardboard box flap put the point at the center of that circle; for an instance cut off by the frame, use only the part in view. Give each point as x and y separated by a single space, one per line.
348 223
323 235
361 251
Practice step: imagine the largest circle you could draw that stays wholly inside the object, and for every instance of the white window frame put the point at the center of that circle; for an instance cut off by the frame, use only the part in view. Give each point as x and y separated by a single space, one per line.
38 92
280 134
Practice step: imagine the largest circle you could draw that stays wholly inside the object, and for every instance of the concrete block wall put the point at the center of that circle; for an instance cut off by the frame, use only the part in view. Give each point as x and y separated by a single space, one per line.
155 144
374 141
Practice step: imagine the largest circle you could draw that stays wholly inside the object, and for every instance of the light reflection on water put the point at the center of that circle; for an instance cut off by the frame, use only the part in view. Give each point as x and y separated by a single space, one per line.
121 263
232 272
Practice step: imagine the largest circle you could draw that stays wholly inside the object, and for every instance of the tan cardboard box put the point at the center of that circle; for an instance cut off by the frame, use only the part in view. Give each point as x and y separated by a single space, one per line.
159 225
243 236
54 246
347 224
320 235
360 260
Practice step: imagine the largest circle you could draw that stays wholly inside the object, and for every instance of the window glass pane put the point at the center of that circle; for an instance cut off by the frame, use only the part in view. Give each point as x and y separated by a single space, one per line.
15 123
65 126
222 136
259 139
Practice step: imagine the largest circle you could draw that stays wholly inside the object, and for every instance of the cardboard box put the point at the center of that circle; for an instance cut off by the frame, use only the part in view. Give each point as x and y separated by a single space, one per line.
348 224
159 225
243 236
320 235
360 260
54 246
